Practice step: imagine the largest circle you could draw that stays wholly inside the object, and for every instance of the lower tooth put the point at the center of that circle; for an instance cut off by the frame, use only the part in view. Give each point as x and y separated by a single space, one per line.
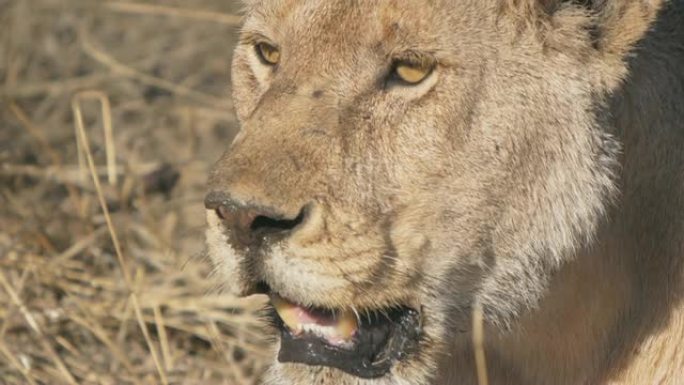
321 331
327 333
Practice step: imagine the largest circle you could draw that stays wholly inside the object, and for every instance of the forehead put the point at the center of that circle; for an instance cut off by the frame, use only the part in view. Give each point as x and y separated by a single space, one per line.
400 23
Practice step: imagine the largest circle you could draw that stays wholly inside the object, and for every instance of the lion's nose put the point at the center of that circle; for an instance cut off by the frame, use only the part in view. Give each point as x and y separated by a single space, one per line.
249 225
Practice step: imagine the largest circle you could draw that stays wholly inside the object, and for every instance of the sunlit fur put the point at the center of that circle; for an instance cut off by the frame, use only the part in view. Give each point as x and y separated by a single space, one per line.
539 170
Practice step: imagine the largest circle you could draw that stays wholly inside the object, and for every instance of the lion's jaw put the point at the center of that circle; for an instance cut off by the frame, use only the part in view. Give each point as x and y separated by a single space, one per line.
416 196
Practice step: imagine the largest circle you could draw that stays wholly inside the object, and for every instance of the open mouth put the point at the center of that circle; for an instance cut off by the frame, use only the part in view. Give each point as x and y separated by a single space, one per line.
365 344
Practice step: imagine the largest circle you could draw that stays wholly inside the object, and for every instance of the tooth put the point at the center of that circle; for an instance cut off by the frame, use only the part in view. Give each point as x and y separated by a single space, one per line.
287 312
346 325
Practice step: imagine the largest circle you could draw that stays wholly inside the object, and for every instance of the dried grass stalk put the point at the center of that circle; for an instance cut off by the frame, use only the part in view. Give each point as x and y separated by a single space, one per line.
110 148
118 67
31 321
85 146
15 362
52 245
162 10
478 345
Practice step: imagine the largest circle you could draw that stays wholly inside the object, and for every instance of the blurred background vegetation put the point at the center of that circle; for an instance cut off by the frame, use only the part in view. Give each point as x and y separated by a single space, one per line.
106 283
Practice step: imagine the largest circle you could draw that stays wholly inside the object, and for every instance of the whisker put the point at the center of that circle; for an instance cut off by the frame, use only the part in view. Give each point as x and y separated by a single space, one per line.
356 313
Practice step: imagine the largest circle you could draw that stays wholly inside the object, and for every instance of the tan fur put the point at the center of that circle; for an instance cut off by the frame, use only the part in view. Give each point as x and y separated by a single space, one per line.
539 171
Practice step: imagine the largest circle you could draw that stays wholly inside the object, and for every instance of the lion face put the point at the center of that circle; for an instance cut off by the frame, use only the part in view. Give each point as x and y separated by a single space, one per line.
399 161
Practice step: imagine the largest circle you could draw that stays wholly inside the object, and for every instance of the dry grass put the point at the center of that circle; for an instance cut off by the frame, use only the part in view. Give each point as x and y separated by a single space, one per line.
110 116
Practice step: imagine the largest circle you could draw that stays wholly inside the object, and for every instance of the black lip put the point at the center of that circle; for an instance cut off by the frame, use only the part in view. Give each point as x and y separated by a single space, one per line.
382 339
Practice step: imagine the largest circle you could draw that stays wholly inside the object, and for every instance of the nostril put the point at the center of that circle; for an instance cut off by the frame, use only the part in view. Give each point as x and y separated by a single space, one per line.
265 224
223 212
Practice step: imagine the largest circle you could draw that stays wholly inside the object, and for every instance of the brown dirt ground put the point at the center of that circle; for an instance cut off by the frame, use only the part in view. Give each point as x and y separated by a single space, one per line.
74 310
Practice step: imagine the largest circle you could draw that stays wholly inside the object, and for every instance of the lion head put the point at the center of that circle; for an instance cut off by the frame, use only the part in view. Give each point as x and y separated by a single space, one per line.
400 161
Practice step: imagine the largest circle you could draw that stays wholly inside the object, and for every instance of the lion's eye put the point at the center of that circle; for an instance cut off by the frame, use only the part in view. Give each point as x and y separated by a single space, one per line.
269 54
413 72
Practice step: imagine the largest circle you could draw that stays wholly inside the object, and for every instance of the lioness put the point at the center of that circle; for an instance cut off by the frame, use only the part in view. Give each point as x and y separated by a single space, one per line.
402 162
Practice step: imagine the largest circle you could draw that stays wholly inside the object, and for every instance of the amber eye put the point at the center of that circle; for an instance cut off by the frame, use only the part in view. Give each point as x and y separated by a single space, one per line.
269 54
413 71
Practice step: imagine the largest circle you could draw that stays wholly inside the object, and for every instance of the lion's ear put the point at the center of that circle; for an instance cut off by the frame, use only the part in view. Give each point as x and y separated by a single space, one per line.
616 24
621 23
